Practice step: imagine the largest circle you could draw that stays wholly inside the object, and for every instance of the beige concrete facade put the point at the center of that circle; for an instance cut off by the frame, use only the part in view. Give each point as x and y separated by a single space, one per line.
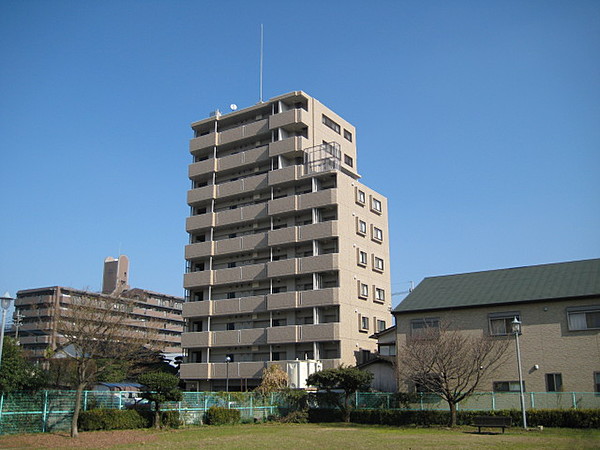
549 345
288 256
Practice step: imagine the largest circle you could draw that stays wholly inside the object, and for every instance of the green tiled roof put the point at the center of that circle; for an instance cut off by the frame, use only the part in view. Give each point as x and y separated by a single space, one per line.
521 284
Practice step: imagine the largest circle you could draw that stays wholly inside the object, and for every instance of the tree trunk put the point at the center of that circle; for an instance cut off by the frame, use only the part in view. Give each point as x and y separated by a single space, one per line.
76 409
346 412
156 415
452 414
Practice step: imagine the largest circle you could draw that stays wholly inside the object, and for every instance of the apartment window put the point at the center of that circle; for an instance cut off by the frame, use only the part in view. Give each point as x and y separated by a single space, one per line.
230 326
347 135
380 325
230 295
364 323
361 227
500 324
360 197
377 234
376 205
363 290
362 258
419 327
597 382
379 295
554 382
331 124
584 318
507 386
348 160
378 264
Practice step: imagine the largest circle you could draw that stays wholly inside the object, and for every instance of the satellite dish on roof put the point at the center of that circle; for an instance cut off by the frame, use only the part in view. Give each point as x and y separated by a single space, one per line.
233 106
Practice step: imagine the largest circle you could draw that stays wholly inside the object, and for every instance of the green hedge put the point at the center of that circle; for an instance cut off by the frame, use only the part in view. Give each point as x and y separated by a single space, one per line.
111 419
562 418
222 416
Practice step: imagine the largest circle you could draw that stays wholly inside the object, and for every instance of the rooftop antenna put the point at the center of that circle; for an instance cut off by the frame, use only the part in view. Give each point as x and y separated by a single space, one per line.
261 63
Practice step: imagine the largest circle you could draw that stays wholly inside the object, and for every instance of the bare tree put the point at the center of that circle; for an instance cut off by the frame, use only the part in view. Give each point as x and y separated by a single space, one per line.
95 333
449 362
274 378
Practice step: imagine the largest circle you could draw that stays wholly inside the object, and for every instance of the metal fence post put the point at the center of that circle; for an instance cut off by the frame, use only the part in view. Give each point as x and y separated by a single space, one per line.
1 406
45 411
574 400
421 400
532 399
493 401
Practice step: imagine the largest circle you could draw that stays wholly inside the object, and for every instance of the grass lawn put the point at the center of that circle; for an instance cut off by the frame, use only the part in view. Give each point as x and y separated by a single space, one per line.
321 436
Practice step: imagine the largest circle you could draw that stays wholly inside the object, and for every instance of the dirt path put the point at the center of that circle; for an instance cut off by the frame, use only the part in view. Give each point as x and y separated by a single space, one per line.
90 439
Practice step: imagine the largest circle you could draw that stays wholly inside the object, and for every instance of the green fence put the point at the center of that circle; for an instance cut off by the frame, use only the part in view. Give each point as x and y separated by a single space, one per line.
31 412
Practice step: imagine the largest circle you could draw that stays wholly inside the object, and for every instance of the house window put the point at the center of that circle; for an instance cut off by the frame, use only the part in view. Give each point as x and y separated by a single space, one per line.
362 258
360 197
584 318
363 290
380 325
331 124
507 386
377 234
379 295
347 135
361 227
419 327
348 160
378 264
376 205
554 382
501 323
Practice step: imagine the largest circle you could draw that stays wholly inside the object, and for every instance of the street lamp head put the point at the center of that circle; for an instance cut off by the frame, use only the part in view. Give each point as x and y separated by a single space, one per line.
516 326
228 359
6 299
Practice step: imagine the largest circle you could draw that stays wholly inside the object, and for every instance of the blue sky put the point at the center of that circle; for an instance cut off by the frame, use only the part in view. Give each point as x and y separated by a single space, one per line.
479 120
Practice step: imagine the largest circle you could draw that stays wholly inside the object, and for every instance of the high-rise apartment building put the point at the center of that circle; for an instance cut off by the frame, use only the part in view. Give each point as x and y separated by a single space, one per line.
288 256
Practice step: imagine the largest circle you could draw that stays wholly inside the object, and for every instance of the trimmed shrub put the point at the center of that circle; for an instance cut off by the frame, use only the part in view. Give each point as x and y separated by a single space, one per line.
217 415
295 417
111 419
563 418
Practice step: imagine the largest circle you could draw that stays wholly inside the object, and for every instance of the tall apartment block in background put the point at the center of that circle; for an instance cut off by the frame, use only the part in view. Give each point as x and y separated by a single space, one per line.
288 256
38 311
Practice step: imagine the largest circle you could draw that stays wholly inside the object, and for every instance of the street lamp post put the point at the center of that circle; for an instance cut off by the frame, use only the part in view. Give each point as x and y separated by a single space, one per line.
5 303
227 361
516 329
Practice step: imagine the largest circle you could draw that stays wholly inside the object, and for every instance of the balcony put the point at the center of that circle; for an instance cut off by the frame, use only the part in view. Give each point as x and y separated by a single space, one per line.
252 304
283 205
243 158
285 175
237 187
320 297
317 199
191 371
244 214
298 117
199 222
194 279
320 332
283 236
284 300
319 263
202 168
198 250
239 274
279 335
201 194
294 144
282 268
249 242
199 143
318 230
196 339
196 309
244 131
245 369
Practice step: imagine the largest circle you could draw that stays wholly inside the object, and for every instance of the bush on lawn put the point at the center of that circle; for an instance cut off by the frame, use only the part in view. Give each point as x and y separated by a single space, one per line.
111 419
222 416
